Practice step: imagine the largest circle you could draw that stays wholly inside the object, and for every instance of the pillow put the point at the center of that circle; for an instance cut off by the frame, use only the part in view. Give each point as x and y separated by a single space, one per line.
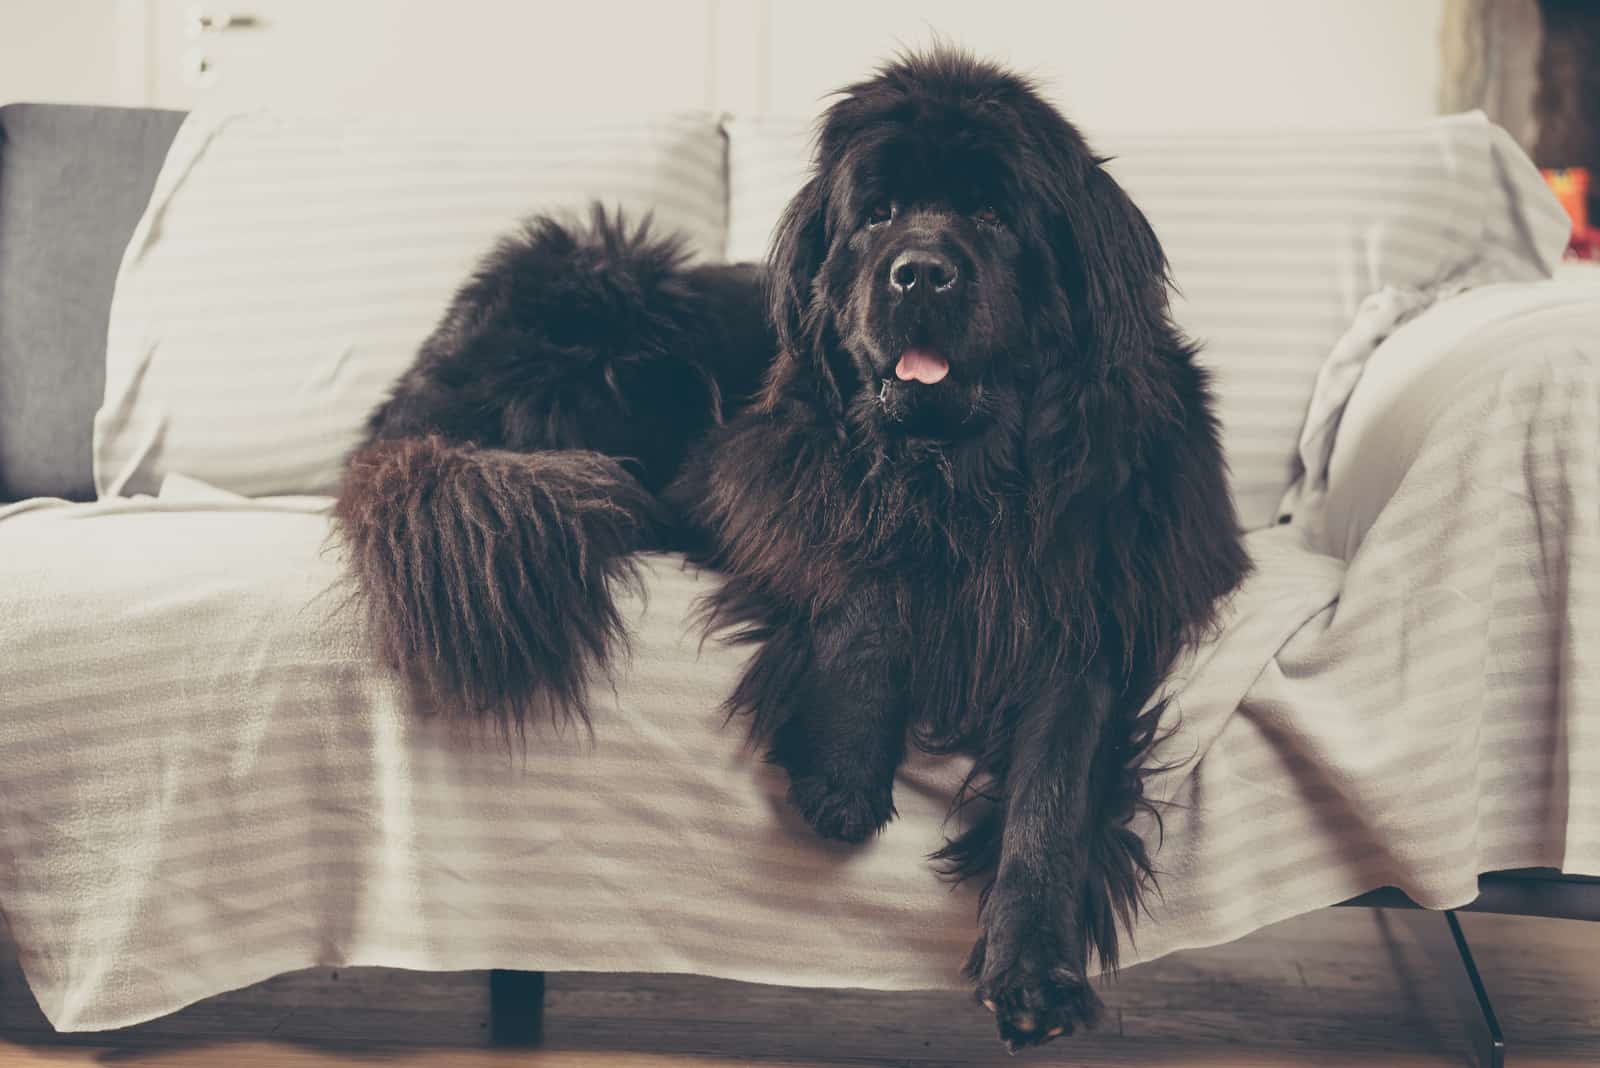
1275 239
287 269
73 183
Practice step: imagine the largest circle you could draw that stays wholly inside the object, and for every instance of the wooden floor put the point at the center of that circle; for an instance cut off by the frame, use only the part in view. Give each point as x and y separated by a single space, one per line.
1337 988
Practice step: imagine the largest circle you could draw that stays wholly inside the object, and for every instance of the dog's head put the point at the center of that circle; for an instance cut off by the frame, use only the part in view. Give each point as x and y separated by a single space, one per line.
955 238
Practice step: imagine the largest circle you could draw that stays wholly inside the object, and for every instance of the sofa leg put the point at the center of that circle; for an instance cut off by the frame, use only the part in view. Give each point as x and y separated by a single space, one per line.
1489 1045
1446 942
516 1008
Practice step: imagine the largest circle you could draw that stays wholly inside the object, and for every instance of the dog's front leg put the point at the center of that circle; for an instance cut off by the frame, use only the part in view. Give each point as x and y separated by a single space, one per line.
845 735
1031 958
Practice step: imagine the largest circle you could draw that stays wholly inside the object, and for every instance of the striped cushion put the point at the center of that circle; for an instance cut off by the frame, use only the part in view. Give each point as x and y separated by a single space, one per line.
287 269
1275 239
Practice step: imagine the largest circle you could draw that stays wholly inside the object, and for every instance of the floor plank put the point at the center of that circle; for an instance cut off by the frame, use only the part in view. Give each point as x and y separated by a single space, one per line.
1336 988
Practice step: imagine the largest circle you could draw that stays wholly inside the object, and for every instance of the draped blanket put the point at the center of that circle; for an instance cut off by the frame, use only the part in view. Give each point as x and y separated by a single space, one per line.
206 780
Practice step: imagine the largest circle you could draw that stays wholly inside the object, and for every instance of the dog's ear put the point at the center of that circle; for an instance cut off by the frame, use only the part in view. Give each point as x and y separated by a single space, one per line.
1110 261
799 247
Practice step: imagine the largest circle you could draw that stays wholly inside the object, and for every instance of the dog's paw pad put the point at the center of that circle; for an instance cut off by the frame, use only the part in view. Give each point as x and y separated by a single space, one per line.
845 815
1032 1006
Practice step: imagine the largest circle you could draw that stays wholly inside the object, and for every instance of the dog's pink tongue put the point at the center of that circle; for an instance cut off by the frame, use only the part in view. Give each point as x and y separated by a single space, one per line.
920 365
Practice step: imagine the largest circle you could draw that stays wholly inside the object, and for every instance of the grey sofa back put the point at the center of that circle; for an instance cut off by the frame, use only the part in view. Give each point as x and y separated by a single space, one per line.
73 183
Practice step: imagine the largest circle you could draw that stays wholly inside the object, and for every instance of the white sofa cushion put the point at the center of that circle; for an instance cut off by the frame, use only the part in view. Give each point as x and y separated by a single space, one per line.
287 268
1275 239
1408 386
209 780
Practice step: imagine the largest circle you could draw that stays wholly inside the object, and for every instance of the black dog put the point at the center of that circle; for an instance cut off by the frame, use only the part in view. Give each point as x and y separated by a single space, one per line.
963 480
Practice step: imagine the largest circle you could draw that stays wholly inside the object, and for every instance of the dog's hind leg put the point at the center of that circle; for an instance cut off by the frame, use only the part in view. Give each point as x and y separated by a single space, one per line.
511 474
487 574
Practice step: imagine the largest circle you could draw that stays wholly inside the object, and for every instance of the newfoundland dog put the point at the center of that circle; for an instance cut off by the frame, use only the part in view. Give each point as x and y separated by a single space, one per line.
956 463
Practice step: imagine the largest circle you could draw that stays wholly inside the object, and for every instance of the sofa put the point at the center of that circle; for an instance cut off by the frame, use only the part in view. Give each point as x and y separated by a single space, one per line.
206 779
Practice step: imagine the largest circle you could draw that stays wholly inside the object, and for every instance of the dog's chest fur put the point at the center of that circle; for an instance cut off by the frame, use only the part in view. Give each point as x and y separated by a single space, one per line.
976 621
934 550
976 610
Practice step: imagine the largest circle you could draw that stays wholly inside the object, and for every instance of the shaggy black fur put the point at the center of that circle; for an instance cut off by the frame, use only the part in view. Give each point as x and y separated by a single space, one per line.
487 573
509 479
978 500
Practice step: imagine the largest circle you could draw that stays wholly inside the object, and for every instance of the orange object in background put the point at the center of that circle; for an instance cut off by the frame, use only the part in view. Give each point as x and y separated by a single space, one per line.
1571 186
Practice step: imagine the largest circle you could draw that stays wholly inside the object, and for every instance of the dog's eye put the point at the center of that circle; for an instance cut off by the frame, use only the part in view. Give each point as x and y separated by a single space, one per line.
879 212
987 215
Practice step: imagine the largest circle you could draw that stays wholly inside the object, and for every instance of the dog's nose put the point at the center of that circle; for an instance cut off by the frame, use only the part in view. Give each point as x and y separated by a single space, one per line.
920 269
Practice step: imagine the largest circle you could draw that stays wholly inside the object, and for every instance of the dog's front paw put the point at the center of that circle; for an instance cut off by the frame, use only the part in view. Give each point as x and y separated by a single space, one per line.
1026 976
841 813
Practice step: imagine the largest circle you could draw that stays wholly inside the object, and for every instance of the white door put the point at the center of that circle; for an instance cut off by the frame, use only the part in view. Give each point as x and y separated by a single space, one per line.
524 56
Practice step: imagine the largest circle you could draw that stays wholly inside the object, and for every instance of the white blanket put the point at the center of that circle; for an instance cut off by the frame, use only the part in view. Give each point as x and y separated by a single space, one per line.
204 780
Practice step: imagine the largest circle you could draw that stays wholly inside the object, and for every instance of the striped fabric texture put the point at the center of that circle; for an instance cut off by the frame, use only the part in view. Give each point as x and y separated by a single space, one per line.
288 268
1440 719
1275 240
208 780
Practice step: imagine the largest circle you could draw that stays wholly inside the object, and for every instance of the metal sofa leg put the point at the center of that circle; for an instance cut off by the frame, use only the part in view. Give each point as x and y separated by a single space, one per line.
1447 943
516 1008
1477 1011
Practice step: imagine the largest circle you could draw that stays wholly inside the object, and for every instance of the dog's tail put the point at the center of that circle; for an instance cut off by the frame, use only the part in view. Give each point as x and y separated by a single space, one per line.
487 574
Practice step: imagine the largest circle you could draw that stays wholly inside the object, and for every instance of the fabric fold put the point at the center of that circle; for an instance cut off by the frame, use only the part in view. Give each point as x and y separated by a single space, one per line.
210 781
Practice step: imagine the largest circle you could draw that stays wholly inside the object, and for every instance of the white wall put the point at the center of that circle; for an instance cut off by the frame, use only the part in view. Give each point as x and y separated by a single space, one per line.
525 56
1142 64
69 51
1122 64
